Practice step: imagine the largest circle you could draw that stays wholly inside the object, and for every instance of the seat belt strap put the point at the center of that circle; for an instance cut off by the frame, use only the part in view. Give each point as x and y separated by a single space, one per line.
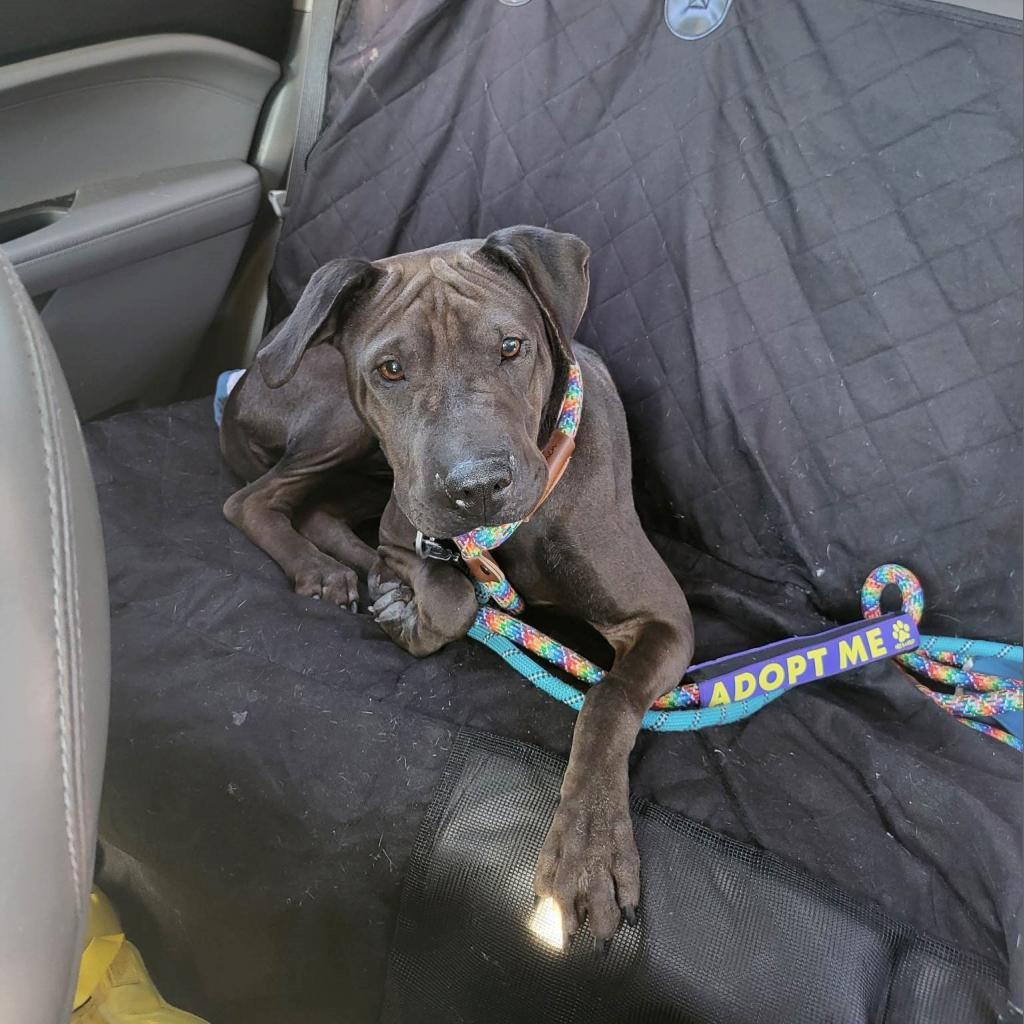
325 17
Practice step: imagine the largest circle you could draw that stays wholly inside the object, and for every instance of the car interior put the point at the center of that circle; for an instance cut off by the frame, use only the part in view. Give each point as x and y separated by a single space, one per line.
225 802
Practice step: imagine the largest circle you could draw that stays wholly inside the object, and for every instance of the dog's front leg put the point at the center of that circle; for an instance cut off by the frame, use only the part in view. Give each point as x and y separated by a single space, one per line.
589 863
263 511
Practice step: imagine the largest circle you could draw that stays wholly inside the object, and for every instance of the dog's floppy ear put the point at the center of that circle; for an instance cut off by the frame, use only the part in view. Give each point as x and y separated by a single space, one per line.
333 285
556 269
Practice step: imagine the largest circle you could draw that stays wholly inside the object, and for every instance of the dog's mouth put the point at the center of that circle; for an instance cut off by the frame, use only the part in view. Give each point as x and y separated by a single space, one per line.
451 517
446 523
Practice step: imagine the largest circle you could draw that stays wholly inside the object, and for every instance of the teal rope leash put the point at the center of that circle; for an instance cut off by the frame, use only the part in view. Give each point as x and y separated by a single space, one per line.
767 673
654 720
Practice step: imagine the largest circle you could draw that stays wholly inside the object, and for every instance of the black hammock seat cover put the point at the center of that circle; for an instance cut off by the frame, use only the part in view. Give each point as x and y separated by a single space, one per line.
807 264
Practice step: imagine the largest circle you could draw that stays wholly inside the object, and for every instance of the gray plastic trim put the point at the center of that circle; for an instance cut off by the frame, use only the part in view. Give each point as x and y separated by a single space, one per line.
126 108
1001 8
120 222
128 335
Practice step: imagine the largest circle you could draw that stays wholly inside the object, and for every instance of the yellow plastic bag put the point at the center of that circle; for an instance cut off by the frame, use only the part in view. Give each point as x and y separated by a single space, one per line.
113 984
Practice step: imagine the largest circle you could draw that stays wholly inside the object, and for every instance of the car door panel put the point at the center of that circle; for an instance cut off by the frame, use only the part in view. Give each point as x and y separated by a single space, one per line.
111 224
118 109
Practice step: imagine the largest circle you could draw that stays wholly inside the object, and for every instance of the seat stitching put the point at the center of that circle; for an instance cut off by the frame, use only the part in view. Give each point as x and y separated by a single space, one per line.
73 609
45 420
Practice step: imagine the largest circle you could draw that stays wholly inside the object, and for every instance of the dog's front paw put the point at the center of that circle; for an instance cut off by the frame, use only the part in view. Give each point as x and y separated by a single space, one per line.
394 610
380 580
331 581
590 867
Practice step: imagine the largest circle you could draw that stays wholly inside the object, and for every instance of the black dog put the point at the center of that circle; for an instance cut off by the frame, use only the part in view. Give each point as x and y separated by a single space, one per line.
451 363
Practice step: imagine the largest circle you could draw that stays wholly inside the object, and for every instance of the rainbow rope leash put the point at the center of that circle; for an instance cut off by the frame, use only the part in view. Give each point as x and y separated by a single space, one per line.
977 696
477 542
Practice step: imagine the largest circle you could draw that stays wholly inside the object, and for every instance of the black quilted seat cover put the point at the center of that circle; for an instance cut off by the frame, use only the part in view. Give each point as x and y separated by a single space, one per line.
806 235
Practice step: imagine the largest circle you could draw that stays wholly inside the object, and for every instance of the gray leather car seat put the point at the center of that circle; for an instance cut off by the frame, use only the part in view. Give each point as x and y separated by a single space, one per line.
54 671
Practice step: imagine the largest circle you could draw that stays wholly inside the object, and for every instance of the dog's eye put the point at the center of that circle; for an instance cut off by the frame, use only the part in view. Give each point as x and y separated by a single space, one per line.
391 369
510 348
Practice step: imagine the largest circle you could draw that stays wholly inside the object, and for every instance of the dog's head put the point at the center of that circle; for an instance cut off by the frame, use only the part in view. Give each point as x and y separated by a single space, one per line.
456 359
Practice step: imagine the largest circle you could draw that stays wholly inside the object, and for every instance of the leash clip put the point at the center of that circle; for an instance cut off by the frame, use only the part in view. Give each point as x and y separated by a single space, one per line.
428 547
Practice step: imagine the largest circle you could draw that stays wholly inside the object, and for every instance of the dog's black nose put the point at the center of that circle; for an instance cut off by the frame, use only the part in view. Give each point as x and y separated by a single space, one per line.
479 485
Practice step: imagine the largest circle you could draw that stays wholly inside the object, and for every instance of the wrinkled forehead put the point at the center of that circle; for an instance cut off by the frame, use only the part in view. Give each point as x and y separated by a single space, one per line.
442 287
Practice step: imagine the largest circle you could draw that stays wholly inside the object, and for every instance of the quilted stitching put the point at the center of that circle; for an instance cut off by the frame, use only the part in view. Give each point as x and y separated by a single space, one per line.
806 252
